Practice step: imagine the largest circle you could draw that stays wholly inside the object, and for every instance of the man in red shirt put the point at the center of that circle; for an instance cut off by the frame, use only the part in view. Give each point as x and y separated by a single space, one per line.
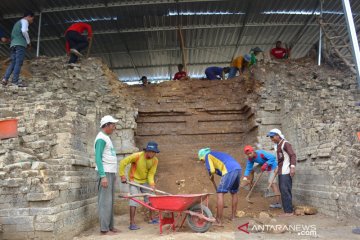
278 52
181 74
75 41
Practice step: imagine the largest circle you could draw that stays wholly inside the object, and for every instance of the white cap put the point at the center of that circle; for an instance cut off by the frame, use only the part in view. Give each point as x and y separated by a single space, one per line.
275 131
107 119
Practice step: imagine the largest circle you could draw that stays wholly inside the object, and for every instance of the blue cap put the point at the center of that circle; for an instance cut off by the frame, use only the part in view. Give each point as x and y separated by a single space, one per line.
152 147
271 134
247 57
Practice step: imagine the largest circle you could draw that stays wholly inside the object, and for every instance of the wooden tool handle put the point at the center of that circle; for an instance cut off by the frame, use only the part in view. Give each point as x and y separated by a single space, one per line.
147 188
257 180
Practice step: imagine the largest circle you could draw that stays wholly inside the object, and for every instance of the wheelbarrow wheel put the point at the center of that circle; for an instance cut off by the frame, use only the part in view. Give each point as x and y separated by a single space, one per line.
199 224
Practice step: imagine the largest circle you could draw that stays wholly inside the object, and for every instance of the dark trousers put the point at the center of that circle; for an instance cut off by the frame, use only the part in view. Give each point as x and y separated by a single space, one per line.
285 185
76 41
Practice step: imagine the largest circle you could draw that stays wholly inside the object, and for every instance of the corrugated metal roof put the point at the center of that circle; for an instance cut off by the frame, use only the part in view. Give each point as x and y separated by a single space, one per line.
140 37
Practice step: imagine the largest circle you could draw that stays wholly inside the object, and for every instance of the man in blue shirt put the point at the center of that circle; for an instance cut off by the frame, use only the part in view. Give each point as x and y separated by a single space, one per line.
216 73
265 162
229 169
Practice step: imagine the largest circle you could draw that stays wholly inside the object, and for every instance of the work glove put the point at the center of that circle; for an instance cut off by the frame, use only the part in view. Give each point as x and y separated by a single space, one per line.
123 179
245 179
265 167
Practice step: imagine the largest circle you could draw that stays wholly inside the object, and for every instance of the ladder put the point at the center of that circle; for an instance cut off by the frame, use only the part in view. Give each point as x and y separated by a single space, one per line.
338 46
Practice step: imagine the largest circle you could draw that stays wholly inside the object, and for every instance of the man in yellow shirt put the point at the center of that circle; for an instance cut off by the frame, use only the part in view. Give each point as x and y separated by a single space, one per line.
142 171
239 64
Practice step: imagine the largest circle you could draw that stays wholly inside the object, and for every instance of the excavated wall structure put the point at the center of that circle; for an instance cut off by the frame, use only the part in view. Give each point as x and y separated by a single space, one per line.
47 177
48 186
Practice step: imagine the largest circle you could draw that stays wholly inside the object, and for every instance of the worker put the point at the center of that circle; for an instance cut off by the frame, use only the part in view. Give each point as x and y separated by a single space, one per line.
181 74
239 63
279 52
142 171
20 40
286 168
265 162
106 167
76 41
144 81
254 52
229 169
216 73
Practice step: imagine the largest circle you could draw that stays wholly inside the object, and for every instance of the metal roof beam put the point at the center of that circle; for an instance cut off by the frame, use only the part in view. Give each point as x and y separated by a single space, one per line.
107 5
167 65
190 27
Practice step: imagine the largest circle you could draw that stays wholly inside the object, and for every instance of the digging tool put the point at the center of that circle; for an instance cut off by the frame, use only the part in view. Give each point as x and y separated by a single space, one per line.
89 48
6 61
147 188
267 191
257 180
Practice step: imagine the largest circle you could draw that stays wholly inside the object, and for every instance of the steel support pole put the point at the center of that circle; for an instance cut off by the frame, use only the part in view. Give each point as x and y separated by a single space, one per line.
320 35
353 38
38 37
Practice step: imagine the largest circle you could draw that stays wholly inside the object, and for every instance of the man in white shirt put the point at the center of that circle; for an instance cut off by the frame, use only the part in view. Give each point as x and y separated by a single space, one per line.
106 167
20 40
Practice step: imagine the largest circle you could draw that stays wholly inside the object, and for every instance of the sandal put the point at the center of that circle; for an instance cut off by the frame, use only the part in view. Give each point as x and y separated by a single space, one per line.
154 221
134 227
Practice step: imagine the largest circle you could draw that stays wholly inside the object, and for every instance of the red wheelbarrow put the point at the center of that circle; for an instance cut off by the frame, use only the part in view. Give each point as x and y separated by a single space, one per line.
194 206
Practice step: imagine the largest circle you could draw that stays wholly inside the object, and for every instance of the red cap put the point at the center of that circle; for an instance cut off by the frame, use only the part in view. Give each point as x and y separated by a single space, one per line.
248 149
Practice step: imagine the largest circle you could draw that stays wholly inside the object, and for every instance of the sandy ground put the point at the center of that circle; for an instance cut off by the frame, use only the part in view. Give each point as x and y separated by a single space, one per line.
325 227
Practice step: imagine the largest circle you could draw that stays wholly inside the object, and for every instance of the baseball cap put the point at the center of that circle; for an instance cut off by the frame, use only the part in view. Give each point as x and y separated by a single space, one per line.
107 119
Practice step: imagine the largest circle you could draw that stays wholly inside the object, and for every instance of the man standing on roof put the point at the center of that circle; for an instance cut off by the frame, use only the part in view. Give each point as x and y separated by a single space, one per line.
106 166
181 74
229 169
216 73
75 41
239 63
279 52
265 162
286 170
142 171
20 40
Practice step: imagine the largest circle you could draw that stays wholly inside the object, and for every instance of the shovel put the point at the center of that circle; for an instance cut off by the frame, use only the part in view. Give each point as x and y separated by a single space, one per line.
147 188
89 47
267 193
249 194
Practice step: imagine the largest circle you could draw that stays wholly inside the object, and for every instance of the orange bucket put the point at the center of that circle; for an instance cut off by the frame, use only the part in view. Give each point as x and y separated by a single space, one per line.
8 128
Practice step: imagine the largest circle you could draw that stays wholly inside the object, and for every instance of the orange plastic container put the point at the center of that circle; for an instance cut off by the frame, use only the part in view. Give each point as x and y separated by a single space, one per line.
8 128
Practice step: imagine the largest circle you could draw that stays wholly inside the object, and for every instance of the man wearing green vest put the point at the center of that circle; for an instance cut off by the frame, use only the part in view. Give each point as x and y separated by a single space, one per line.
20 40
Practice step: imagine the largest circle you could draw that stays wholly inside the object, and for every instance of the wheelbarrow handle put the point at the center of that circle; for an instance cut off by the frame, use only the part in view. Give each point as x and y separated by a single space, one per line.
147 188
135 195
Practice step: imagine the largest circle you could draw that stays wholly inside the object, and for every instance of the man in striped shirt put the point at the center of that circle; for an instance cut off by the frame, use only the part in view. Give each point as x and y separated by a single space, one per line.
286 168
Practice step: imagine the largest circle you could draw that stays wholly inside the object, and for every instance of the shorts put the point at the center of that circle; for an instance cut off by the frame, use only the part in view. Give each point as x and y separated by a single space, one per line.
230 182
271 173
137 190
